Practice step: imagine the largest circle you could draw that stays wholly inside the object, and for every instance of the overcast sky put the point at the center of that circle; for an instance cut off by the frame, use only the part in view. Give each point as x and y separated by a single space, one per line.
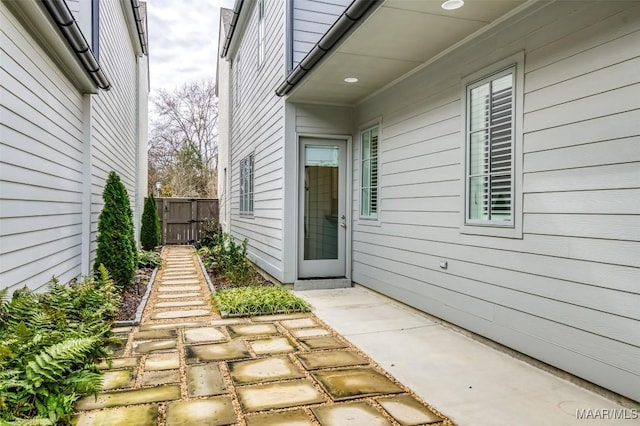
183 40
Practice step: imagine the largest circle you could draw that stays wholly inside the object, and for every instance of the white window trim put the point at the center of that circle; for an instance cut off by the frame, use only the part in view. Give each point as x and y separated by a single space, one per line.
247 213
514 228
261 32
363 219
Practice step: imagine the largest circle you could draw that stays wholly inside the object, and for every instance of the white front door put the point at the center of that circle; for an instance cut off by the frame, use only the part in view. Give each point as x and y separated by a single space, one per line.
322 208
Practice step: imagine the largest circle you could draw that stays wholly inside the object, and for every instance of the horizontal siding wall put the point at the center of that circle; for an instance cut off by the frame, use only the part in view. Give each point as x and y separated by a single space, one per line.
311 20
40 164
566 293
114 124
257 125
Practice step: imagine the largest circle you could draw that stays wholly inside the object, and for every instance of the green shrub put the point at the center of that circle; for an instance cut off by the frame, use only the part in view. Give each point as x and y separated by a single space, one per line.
210 234
116 243
49 346
229 258
150 229
247 301
149 259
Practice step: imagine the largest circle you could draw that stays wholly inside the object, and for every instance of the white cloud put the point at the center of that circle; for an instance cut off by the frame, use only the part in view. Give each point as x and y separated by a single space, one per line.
183 41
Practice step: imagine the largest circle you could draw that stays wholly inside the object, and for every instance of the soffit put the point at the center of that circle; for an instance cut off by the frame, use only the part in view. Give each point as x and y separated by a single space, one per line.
397 37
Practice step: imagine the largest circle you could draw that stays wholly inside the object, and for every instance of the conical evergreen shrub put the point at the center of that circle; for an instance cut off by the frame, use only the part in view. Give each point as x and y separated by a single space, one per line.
150 230
116 242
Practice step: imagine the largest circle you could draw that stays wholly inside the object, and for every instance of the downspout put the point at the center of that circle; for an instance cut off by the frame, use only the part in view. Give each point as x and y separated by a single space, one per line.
356 11
140 25
65 21
237 8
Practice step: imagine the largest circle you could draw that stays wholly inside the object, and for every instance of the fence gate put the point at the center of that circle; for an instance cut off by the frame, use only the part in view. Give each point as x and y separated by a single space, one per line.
181 219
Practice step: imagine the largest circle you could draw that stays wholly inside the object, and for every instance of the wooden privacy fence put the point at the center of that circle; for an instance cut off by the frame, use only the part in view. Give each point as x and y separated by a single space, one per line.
181 219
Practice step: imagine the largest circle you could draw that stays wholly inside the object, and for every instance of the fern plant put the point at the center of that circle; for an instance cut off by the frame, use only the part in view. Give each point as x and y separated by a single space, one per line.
49 346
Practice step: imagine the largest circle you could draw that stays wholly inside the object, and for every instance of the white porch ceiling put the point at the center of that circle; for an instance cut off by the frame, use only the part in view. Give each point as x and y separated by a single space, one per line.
397 37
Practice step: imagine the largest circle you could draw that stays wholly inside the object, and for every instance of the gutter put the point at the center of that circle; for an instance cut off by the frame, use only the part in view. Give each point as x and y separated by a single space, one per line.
65 21
237 8
140 25
354 13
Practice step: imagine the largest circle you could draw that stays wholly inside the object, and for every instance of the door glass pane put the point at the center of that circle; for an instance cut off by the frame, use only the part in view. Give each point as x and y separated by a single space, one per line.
321 202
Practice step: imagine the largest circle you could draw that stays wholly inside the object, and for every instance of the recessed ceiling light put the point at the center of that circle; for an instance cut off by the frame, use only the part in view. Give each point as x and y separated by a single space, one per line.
351 80
452 4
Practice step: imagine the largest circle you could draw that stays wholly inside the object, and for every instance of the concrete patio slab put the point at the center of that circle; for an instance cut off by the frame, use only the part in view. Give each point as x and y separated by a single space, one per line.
310 332
332 359
407 411
355 383
206 412
278 395
165 361
117 363
272 345
138 415
217 352
204 335
160 377
205 380
350 414
299 323
129 397
286 418
264 370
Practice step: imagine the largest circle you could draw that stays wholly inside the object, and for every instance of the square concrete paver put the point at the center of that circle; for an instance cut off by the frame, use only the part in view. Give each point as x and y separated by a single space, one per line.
252 329
272 345
129 397
204 412
181 314
155 334
160 377
203 335
217 352
407 411
180 324
205 380
332 359
264 370
354 383
310 332
299 323
278 395
166 361
118 379
286 418
136 415
154 346
350 414
322 342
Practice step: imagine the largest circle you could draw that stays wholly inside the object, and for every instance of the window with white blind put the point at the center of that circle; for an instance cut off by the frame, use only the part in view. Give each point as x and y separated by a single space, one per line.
369 173
490 149
246 185
260 32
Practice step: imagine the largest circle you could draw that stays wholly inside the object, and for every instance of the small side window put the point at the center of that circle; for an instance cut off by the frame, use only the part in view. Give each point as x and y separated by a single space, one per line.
369 173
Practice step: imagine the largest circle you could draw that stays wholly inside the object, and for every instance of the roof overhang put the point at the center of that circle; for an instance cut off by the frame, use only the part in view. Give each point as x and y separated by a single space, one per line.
396 38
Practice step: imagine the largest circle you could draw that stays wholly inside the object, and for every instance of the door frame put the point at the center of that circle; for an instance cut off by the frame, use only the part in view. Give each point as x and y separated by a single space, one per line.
348 197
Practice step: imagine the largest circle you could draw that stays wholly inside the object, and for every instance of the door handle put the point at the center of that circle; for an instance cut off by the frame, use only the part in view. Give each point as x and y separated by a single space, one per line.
343 224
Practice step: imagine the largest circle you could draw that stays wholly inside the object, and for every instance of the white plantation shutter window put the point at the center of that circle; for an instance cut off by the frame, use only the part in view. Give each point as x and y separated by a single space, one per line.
490 149
369 173
246 185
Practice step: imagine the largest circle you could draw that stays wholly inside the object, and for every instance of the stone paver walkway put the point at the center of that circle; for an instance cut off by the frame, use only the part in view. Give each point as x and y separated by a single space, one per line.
186 366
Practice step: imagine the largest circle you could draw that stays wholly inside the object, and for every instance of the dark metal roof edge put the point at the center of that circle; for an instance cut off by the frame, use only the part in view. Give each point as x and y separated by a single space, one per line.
237 8
354 13
140 18
67 24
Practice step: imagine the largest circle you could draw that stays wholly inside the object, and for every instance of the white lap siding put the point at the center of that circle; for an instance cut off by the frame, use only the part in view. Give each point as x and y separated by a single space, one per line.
40 164
567 292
